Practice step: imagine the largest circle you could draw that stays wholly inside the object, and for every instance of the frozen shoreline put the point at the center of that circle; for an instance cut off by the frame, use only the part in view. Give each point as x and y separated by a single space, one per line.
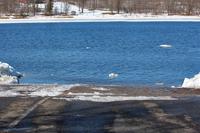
114 19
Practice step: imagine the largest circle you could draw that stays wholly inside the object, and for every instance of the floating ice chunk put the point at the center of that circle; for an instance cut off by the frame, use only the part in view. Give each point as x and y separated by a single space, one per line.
87 47
193 82
165 46
112 75
159 83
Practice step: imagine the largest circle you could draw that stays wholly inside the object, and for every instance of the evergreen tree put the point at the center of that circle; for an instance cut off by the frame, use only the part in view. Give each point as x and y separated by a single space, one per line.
50 6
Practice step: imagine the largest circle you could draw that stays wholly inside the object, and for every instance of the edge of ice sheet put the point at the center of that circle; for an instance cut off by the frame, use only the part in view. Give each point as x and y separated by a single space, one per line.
193 82
115 98
8 75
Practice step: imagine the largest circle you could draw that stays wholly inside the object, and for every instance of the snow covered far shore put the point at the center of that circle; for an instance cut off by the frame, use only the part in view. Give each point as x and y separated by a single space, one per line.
39 19
99 16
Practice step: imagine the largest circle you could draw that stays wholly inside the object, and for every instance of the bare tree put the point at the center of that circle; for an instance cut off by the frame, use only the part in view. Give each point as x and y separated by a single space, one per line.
66 7
50 6
82 4
118 5
190 5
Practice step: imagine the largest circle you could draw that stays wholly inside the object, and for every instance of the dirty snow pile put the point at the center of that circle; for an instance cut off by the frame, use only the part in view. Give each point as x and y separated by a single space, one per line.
193 82
8 75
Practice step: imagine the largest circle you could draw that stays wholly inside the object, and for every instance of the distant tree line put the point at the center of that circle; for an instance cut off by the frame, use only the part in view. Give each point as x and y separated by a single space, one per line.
31 7
155 7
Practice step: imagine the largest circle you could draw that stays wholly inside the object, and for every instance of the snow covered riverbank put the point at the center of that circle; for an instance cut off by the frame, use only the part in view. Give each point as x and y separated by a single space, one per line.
98 16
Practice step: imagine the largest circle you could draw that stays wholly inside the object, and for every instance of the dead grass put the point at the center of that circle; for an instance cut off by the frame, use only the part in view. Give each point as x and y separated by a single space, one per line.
108 13
90 9
61 16
18 17
126 16
186 15
4 17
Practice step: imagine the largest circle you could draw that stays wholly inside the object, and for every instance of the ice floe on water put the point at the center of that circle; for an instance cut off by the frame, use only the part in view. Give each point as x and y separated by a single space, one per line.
165 46
112 75
193 82
159 83
8 75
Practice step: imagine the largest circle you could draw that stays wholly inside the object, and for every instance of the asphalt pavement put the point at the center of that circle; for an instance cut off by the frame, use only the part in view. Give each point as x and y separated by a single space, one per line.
55 114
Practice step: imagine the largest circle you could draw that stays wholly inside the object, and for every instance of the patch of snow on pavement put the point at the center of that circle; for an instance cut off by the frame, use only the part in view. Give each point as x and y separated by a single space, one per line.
36 90
9 93
101 89
115 98
90 94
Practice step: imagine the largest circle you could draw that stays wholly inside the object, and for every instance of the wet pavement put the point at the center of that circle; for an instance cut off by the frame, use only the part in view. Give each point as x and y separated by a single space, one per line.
64 114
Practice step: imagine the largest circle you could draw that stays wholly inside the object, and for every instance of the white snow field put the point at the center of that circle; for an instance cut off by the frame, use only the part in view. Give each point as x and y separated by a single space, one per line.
8 75
193 82
97 16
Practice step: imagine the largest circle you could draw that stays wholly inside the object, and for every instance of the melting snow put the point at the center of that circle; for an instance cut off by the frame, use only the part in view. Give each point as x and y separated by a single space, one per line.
8 75
193 82
101 89
115 98
36 90
88 94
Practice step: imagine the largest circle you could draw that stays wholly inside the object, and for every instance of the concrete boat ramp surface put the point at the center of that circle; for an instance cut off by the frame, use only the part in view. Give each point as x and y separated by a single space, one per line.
99 109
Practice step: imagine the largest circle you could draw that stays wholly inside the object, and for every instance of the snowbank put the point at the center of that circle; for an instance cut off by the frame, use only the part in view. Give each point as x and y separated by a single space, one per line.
193 82
8 75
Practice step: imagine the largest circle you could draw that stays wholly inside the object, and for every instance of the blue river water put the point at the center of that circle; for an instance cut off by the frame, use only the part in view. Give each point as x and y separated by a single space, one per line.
86 53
